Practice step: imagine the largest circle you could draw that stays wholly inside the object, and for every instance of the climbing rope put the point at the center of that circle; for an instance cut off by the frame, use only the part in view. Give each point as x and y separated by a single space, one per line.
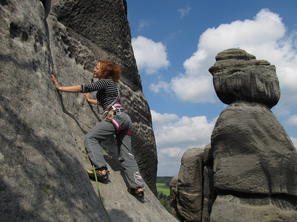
99 195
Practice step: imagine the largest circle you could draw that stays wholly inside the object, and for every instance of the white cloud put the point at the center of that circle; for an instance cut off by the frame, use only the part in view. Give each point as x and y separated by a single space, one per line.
175 34
264 36
150 56
183 132
292 120
264 30
160 120
175 134
193 88
184 11
172 152
142 24
169 159
161 85
168 167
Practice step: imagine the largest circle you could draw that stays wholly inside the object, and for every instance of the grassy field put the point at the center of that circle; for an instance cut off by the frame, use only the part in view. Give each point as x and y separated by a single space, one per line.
164 192
164 180
163 188
163 185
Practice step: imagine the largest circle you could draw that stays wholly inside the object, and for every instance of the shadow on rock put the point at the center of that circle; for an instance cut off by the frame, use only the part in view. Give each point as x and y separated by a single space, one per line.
40 179
119 215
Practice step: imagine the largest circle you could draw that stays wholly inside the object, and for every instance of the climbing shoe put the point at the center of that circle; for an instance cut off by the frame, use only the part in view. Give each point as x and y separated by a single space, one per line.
138 192
101 177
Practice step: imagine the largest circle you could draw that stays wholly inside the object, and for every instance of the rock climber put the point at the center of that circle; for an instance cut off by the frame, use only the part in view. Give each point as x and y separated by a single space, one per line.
116 122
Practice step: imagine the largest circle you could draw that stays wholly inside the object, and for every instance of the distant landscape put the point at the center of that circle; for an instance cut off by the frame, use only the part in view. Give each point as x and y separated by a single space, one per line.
163 185
163 190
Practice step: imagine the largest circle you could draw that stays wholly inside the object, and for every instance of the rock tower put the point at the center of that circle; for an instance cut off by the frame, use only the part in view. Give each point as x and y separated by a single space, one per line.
250 172
254 160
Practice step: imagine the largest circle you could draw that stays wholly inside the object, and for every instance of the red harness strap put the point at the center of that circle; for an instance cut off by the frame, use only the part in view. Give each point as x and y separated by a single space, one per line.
126 132
117 127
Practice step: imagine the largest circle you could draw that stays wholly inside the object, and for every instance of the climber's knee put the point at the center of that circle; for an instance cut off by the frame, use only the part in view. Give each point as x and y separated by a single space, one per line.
88 138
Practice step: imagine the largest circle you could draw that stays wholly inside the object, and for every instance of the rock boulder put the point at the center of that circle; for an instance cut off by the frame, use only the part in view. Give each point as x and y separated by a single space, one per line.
252 152
190 189
238 76
254 160
249 172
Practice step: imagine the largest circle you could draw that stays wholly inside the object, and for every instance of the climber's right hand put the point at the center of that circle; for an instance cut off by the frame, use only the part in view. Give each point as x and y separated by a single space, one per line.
55 81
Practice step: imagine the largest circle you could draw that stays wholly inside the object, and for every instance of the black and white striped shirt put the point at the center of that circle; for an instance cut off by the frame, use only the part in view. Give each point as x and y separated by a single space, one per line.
107 91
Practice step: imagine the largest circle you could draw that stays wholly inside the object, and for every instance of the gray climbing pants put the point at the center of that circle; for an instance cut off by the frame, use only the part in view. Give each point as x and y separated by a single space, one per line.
106 130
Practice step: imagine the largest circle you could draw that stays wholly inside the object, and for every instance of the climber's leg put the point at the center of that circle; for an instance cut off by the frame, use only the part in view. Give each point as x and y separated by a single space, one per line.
129 164
93 140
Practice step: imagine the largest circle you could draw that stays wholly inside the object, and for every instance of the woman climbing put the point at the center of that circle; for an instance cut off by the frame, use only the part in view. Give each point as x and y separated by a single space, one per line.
116 122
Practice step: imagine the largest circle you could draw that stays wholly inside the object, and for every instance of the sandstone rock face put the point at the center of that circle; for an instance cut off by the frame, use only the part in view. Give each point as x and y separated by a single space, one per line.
249 173
238 76
83 32
189 185
95 21
42 177
189 198
42 157
235 209
173 196
252 152
254 160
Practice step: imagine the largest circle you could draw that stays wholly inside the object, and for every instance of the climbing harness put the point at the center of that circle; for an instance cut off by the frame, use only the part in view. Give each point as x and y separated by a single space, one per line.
114 108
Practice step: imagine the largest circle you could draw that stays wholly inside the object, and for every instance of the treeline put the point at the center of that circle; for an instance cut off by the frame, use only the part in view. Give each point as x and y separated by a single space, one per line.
165 180
165 201
163 198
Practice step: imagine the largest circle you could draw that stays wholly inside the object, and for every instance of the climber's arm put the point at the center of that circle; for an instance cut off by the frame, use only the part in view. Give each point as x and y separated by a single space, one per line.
89 100
71 89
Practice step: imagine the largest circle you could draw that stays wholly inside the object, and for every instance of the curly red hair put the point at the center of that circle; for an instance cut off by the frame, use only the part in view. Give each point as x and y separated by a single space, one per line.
110 69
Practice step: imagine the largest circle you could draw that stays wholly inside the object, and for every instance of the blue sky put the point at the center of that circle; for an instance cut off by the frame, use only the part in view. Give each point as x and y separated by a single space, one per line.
175 43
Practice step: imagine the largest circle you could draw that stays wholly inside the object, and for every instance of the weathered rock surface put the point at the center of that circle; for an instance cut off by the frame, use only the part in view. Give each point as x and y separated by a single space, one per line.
234 209
124 207
254 160
252 152
238 76
173 196
208 193
84 31
189 196
42 157
190 185
250 171
95 21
